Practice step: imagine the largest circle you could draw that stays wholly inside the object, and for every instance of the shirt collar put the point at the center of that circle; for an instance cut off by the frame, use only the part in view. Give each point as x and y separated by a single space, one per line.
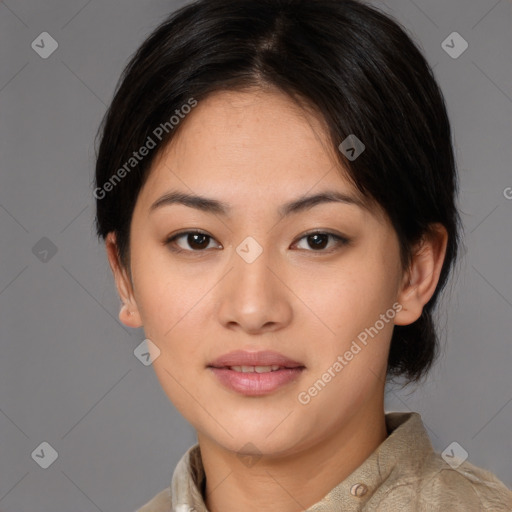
405 447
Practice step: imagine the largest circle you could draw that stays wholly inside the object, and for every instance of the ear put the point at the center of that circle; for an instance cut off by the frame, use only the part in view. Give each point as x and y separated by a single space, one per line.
420 281
129 313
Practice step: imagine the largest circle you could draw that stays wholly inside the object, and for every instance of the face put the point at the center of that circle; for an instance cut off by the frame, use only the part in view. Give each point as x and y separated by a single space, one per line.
306 282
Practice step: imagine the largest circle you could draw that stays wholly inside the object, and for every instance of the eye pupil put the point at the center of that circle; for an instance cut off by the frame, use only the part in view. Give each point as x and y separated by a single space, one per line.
192 239
316 237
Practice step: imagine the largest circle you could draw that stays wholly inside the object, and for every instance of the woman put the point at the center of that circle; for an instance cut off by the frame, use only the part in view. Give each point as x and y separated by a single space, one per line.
276 188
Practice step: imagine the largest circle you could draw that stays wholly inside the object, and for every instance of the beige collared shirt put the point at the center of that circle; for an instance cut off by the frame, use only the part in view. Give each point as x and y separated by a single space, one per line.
403 474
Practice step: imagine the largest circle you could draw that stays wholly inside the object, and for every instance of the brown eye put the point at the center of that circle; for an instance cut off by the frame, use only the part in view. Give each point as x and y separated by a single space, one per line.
198 241
193 241
319 240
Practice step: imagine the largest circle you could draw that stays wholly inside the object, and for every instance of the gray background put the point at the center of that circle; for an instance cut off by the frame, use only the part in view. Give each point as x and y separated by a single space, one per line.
68 374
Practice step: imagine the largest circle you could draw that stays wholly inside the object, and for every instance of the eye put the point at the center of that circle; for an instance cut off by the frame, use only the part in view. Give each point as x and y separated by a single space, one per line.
198 241
319 239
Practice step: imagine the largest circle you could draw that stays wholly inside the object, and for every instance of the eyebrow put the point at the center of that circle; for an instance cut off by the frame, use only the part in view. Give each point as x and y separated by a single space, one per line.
214 206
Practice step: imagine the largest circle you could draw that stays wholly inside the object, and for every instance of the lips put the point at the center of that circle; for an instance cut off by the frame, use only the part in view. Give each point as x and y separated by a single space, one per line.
248 362
255 373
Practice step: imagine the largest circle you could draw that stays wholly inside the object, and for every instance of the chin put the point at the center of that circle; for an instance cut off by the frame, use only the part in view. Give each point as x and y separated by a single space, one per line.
262 439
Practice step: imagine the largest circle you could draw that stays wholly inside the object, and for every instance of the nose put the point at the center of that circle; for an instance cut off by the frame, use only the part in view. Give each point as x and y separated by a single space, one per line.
254 297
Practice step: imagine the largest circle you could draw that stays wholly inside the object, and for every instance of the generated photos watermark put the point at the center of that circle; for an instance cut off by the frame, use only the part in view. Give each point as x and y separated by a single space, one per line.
144 150
304 397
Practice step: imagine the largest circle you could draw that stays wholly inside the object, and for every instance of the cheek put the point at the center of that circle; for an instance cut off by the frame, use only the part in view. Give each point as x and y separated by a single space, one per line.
348 303
347 300
173 320
166 295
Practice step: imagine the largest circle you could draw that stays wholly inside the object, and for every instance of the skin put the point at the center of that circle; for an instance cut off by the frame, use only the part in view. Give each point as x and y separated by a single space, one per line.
257 150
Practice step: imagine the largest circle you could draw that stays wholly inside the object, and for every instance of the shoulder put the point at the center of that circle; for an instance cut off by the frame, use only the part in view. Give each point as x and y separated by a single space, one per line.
416 477
465 488
429 484
160 503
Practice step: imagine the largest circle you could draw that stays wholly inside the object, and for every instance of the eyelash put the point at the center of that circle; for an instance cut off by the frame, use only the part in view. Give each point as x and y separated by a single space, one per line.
340 241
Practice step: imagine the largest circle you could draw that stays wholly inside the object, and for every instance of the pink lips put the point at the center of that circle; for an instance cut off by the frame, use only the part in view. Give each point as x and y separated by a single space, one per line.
253 383
244 358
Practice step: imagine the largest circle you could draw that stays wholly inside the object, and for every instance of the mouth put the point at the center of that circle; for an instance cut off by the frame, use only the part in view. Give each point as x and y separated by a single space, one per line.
256 369
261 362
255 373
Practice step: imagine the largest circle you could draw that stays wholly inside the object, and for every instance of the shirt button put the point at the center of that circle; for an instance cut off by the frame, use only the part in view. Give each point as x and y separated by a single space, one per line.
358 490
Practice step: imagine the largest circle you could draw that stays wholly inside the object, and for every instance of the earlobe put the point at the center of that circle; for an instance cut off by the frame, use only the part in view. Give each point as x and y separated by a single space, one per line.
420 281
129 312
129 317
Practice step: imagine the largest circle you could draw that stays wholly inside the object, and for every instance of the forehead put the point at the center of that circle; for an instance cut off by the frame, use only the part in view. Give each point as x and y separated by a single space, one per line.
251 130
249 146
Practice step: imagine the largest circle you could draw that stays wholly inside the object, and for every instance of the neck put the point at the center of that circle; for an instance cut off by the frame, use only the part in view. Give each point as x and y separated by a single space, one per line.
296 481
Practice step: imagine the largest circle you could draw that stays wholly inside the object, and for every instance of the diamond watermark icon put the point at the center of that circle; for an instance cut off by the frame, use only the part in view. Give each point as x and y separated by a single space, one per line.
352 147
249 459
146 352
44 250
454 455
44 45
45 455
454 45
249 250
